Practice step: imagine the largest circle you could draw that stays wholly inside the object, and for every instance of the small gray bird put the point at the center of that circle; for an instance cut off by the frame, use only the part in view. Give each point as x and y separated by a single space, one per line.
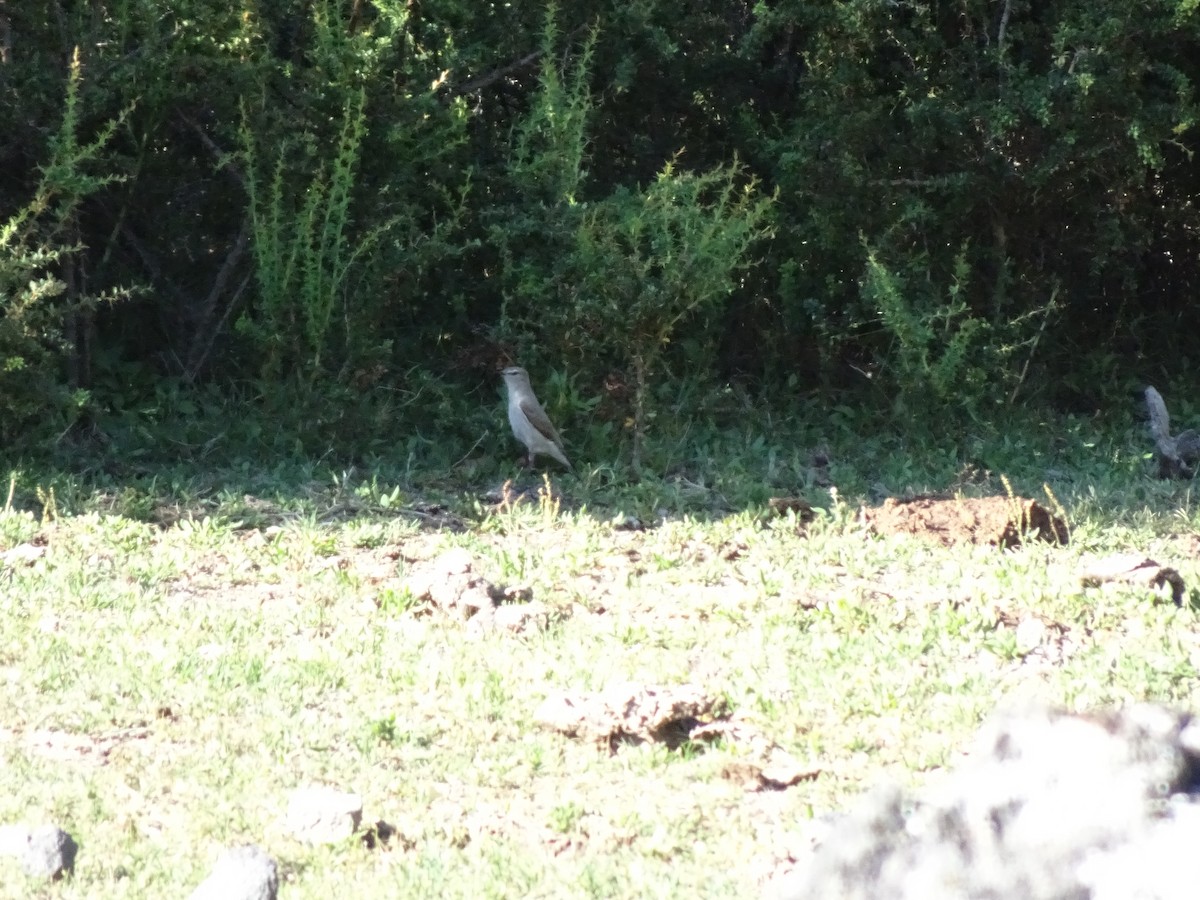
529 421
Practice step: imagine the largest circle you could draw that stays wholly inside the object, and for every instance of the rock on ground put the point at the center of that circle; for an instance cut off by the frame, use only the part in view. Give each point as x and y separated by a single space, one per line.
241 873
1051 805
50 853
323 815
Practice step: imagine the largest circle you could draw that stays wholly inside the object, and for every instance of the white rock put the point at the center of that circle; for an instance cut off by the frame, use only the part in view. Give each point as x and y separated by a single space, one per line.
241 873
323 815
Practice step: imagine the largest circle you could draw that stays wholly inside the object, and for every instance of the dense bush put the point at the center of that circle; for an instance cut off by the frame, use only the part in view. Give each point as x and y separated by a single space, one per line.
337 199
1045 148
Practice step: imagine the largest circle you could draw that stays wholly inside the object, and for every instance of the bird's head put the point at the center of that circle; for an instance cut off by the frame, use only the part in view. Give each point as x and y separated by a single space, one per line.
515 376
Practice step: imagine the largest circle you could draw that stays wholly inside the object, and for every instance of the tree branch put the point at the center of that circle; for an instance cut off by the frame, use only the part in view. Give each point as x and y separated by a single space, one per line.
206 333
478 84
1003 25
222 156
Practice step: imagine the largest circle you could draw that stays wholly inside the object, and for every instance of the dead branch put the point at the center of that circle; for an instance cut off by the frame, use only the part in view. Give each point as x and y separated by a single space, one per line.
206 333
1003 24
496 74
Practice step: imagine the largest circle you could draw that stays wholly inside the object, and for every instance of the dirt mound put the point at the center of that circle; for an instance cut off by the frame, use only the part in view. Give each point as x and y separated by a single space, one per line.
1000 521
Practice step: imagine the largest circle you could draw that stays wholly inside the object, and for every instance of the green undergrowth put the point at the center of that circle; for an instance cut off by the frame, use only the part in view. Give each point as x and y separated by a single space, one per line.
709 453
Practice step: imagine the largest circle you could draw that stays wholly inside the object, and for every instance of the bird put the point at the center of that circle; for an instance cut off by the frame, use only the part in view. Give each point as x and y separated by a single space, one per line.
529 421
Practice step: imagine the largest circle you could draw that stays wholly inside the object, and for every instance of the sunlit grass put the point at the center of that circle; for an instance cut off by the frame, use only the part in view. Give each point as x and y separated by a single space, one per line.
178 656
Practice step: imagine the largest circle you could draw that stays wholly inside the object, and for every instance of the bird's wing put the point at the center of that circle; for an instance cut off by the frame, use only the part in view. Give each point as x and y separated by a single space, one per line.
538 419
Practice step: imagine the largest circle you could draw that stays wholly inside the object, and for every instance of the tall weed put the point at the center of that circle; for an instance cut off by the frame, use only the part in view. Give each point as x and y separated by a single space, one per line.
305 251
940 354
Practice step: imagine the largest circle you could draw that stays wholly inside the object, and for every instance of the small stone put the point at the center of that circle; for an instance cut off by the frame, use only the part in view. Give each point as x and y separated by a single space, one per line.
323 815
482 622
1029 634
1189 738
23 554
449 583
514 618
1135 569
49 852
241 873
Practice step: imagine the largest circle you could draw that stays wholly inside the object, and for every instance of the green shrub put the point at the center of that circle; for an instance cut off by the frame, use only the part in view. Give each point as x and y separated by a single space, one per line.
611 282
650 262
35 303
939 350
940 358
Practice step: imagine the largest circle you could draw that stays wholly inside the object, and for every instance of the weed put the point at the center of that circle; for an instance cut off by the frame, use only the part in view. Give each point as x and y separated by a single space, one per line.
566 816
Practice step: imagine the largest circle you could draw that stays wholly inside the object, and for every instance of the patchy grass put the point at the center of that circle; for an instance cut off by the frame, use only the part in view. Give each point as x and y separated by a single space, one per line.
178 655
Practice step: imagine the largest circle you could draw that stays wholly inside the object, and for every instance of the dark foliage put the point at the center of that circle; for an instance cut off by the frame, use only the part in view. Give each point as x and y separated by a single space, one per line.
343 200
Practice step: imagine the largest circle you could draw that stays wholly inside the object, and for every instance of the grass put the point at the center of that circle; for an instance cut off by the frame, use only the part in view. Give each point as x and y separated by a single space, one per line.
183 648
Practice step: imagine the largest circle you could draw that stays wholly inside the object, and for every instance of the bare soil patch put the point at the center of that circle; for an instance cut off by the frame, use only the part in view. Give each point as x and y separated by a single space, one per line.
999 521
